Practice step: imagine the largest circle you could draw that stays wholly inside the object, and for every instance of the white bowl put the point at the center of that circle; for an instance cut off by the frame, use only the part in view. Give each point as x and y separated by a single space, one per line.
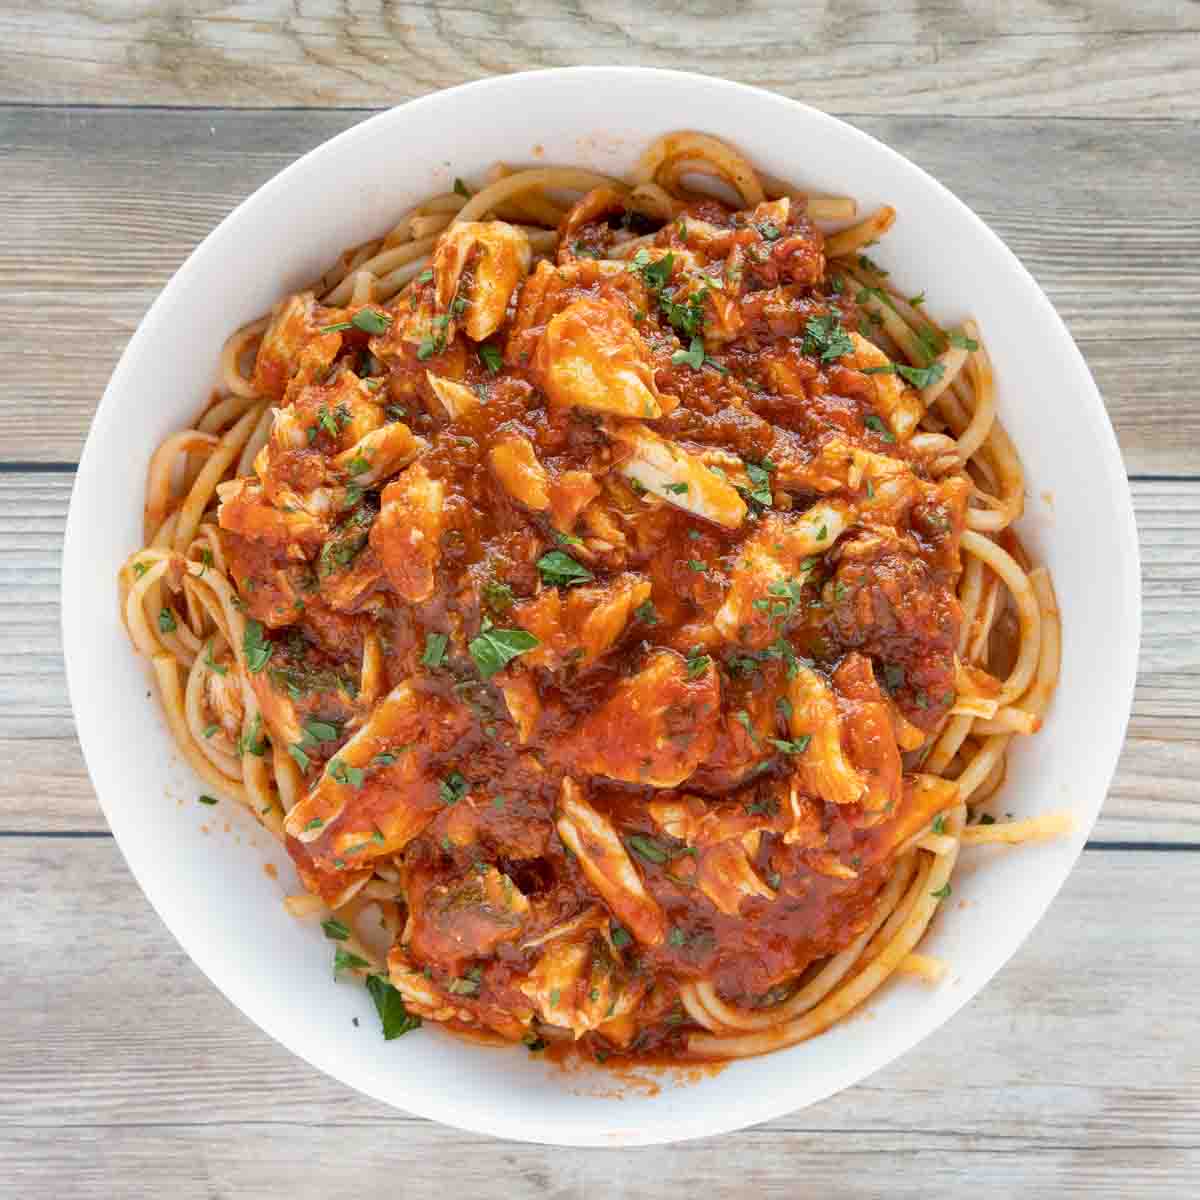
212 891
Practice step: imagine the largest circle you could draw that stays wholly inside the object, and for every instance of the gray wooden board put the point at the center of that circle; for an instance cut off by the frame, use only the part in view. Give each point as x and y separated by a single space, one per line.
1155 797
1029 58
124 1073
102 206
1072 129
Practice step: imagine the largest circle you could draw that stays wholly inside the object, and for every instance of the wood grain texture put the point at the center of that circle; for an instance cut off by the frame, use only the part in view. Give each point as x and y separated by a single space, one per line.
1104 218
1155 796
1031 58
124 1073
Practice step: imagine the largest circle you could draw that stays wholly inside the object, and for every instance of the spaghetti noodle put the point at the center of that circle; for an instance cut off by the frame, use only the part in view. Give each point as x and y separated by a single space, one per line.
607 591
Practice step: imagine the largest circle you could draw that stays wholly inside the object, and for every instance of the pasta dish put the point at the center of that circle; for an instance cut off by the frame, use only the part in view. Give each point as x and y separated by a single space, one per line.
607 591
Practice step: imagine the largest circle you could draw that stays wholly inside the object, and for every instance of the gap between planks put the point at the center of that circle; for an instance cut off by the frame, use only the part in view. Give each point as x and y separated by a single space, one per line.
1034 59
1097 212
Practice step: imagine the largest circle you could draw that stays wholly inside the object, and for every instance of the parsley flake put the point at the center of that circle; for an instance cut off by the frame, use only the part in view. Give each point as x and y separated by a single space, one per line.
559 568
494 649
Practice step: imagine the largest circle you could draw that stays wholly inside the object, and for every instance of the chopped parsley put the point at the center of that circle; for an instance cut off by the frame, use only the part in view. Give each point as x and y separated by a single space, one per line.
620 937
395 1020
942 893
825 337
251 741
498 596
207 799
255 647
647 849
166 621
429 346
921 377
369 320
676 937
939 823
467 984
335 930
760 479
646 613
961 342
559 568
697 662
435 649
676 489
490 356
876 425
654 274
461 188
742 717
693 356
494 648
339 772
320 731
343 960
211 663
794 746
453 788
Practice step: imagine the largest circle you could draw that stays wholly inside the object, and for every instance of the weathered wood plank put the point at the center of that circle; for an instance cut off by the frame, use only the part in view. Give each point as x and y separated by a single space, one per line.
1073 1073
1155 796
1033 58
1103 213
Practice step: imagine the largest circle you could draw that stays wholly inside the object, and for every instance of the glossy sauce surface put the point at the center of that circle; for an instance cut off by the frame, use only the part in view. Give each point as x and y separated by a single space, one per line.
677 655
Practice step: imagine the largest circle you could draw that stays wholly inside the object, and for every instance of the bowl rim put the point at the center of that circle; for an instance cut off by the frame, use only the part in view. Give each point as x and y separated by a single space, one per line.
484 1118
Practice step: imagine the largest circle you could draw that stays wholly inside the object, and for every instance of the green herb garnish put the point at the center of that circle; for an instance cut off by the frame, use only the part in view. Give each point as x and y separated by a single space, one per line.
494 649
559 568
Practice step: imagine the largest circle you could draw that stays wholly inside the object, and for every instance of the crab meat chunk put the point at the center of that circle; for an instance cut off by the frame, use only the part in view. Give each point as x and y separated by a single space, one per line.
725 876
770 566
466 918
481 263
245 510
678 476
380 454
456 399
655 728
868 732
578 983
608 866
406 535
823 769
582 625
293 350
516 465
523 703
376 794
899 405
591 356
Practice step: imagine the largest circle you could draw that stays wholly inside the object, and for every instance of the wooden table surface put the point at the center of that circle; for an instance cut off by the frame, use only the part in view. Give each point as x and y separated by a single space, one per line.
128 130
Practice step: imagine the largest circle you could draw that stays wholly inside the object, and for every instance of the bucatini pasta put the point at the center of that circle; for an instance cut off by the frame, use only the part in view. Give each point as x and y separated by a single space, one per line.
607 590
